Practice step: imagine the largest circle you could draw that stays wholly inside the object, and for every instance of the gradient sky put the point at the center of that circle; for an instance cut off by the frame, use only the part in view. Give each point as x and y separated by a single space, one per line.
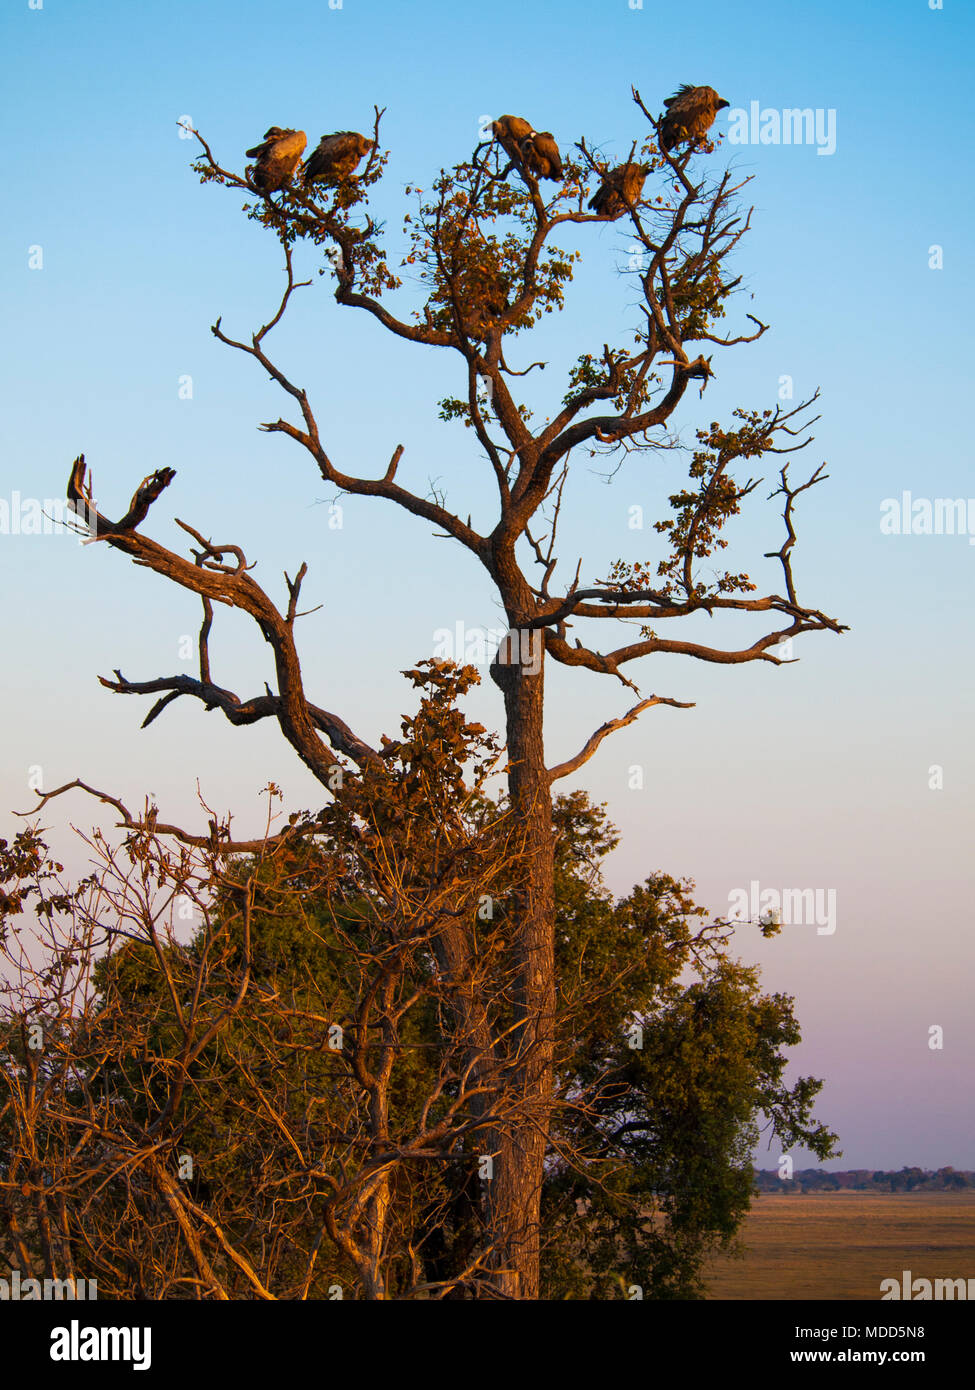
812 775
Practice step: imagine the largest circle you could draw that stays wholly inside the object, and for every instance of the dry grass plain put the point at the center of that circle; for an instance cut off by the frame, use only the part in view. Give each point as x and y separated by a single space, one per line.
840 1245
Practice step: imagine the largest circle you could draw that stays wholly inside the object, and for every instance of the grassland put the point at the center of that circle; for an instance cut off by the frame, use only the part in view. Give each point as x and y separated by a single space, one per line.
840 1245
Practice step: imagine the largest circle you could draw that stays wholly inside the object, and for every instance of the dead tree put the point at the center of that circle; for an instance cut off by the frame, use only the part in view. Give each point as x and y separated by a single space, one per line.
236 1109
481 243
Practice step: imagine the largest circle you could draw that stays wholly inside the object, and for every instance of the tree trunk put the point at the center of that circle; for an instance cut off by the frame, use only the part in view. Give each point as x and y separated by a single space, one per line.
513 1195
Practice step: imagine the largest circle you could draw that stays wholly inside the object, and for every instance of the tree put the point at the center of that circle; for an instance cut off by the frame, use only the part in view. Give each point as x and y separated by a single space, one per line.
290 1042
292 1100
481 245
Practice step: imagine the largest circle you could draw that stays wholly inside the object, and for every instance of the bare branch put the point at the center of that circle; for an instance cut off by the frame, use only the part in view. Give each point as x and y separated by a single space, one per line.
593 742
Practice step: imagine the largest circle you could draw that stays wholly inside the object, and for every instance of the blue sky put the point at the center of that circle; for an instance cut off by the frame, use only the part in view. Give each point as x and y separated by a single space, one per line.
815 774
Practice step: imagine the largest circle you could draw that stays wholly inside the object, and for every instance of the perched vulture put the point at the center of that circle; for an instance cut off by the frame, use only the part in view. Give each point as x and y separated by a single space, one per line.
277 158
621 185
540 155
511 132
690 114
336 157
270 136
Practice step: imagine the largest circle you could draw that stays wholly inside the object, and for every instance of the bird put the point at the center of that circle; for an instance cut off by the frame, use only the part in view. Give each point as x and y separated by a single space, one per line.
510 133
277 158
621 186
273 133
690 115
336 156
540 155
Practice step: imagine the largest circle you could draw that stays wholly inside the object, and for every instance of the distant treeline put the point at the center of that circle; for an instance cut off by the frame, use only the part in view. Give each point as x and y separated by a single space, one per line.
863 1180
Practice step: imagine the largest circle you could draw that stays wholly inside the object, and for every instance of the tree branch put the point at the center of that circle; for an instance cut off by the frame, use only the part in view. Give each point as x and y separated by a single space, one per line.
583 756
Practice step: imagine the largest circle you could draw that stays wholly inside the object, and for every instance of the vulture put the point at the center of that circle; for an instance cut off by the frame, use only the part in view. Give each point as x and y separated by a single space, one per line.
690 115
511 132
336 156
277 158
623 183
540 155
